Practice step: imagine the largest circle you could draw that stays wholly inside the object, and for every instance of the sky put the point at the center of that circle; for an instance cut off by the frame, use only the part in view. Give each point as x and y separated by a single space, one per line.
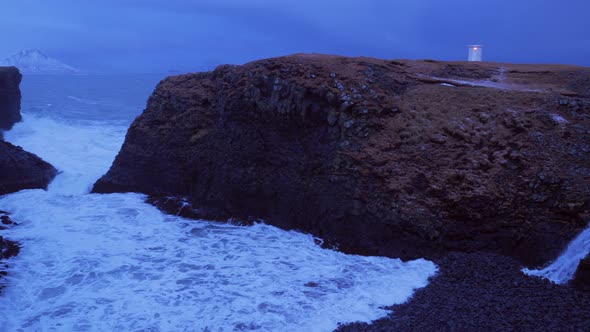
190 35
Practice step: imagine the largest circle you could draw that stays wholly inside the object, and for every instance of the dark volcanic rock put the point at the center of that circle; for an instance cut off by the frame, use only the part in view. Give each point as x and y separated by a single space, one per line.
20 169
8 248
398 158
582 276
10 97
486 292
5 221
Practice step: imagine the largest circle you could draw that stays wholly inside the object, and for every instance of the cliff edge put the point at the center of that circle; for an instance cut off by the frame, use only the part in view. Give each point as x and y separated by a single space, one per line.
398 158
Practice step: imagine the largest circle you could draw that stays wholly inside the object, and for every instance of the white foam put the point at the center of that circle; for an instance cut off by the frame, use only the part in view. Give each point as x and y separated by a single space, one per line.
564 267
94 262
82 151
111 262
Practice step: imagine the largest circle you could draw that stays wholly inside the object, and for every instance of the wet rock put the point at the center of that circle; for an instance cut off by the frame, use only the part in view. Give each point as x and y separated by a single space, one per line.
20 169
10 97
8 248
582 276
5 220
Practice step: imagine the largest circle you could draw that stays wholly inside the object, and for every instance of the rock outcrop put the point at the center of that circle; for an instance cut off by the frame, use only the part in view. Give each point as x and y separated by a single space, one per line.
19 169
10 96
399 158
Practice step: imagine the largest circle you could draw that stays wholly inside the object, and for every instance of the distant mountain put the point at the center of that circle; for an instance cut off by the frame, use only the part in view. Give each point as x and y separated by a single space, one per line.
35 62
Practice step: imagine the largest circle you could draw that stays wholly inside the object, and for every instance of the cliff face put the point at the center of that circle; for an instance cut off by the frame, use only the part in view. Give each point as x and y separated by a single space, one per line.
400 158
10 97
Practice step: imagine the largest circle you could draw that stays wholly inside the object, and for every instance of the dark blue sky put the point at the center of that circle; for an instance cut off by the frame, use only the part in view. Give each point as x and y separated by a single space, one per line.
161 35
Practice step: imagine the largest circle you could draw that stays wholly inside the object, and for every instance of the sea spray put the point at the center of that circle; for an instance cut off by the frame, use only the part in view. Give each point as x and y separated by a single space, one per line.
564 267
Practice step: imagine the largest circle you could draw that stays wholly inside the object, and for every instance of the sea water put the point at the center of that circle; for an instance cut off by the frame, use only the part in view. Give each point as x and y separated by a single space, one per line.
92 262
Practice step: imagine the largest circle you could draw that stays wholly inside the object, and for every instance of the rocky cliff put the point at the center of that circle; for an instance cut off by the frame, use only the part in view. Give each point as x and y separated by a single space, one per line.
10 97
399 158
19 169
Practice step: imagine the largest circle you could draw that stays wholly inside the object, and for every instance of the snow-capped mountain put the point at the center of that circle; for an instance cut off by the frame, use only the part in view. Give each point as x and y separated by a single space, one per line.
35 62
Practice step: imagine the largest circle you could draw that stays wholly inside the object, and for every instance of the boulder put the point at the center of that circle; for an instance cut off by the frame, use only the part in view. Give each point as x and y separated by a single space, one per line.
10 97
8 249
20 169
398 158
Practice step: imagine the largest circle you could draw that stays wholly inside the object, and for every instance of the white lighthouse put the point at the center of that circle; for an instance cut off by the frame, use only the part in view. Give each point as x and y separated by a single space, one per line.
475 53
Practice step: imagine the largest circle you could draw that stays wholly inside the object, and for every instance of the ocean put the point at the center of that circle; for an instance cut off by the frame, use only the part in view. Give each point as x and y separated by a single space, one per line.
111 262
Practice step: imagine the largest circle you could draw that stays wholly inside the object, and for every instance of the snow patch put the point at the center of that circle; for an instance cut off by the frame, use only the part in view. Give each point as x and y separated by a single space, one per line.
35 62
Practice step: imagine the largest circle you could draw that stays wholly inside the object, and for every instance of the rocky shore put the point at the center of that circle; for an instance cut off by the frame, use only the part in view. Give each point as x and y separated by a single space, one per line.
486 292
398 158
